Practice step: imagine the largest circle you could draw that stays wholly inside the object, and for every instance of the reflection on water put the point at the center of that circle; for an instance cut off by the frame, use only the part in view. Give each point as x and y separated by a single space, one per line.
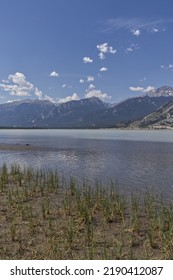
104 155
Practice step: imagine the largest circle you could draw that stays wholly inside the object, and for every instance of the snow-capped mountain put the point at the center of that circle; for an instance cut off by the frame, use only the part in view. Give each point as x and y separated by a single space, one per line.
162 91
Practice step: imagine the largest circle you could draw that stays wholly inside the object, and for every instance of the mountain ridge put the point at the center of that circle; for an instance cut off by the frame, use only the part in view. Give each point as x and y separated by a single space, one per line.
83 113
161 91
161 118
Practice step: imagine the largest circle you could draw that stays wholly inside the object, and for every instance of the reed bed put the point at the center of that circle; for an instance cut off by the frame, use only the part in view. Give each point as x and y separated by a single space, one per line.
44 216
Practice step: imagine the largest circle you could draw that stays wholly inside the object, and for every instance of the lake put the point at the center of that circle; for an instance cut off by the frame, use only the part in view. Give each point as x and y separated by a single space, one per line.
134 159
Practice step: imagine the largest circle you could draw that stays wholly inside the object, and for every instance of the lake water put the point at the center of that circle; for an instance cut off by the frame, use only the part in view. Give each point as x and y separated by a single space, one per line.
136 160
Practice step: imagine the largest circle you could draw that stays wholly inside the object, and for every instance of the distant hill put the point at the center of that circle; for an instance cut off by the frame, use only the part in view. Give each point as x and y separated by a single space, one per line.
161 118
84 113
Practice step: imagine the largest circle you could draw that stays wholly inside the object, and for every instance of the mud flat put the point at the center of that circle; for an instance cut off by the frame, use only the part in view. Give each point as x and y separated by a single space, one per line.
22 147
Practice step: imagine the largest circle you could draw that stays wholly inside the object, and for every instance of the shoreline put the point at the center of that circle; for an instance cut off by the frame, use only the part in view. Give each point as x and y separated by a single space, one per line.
22 147
159 127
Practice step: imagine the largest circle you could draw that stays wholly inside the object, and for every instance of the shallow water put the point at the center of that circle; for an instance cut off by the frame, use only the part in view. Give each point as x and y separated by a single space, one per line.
136 160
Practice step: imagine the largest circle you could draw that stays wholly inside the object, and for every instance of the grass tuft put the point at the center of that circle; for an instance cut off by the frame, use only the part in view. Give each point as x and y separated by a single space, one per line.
45 216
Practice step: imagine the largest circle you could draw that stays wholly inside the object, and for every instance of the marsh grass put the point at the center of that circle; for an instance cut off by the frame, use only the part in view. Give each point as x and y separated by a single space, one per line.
44 216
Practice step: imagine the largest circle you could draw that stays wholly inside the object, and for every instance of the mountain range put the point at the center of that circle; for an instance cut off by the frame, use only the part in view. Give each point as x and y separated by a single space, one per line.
141 111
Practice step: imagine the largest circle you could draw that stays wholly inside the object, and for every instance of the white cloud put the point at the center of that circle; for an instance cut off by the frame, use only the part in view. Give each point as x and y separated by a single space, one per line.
38 93
97 93
81 81
87 59
20 79
90 79
167 67
136 32
54 74
17 85
69 98
47 97
103 69
136 89
105 49
142 89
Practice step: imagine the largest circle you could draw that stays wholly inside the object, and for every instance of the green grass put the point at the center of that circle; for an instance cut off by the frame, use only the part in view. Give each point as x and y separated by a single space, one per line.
44 216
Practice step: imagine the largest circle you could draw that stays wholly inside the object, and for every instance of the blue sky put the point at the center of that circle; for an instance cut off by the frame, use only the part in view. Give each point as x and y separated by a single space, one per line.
65 50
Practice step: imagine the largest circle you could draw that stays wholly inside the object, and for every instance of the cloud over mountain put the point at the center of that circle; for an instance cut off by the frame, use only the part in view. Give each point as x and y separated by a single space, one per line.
69 98
142 89
17 85
97 93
